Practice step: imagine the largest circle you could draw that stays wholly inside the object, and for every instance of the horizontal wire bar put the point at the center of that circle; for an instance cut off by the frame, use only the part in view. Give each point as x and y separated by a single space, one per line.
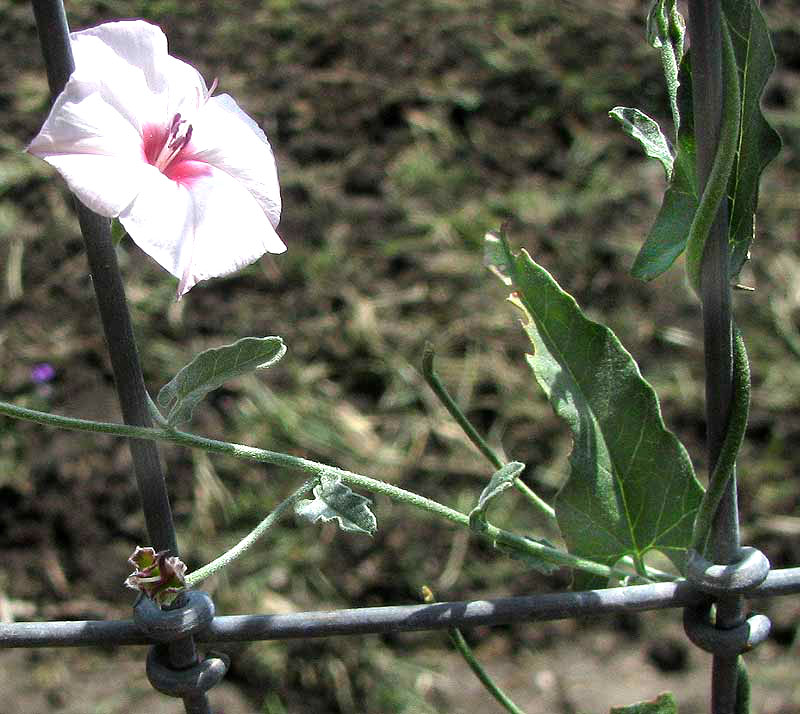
400 618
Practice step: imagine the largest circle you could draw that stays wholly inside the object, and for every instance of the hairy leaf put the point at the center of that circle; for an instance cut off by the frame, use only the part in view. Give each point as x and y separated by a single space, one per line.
662 704
667 238
646 131
665 26
501 481
759 143
666 30
631 486
335 501
211 369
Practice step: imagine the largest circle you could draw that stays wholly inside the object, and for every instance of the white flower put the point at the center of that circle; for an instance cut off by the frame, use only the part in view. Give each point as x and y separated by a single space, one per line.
138 136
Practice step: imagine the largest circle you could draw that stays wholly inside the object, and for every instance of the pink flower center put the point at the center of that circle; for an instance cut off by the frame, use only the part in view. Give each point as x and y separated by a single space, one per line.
167 148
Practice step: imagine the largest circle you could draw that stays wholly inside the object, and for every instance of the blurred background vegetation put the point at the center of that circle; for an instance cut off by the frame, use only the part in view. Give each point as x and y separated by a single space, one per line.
403 132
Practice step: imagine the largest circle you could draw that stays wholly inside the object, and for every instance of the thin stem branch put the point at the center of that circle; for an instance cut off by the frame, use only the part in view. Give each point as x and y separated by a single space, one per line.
477 668
436 384
249 540
316 469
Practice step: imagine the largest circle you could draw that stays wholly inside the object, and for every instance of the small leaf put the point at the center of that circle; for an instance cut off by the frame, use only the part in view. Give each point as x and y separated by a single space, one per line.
631 486
665 31
665 26
662 704
646 131
667 238
501 481
657 32
211 369
334 500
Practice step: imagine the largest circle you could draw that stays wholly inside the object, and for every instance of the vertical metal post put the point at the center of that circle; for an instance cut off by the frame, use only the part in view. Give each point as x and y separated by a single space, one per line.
705 33
53 29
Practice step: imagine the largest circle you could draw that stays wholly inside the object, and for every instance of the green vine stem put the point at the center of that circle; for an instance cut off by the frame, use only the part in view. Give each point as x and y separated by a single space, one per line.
316 469
717 183
477 668
429 373
197 576
720 476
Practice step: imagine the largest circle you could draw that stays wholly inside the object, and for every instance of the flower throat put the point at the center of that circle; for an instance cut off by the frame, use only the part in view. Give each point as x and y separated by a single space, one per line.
162 148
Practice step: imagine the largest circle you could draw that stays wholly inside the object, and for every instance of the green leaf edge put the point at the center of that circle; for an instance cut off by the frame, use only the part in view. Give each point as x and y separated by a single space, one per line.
663 704
634 123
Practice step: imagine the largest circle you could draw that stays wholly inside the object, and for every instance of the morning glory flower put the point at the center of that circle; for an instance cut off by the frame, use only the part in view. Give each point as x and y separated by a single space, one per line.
138 136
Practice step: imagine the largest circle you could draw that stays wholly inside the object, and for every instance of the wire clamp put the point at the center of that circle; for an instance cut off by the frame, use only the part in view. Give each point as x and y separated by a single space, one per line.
194 612
719 581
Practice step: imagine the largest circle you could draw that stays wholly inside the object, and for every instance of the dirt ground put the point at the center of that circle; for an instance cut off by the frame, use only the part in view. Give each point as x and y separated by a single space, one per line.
403 131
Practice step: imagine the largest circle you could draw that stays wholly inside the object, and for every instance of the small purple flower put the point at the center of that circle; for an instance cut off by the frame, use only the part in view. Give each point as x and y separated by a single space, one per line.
42 373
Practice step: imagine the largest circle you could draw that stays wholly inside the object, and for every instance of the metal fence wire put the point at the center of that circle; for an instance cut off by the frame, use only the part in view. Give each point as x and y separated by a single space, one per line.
174 666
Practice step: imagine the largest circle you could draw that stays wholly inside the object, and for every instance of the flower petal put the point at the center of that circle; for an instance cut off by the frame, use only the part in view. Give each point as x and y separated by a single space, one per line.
106 184
94 148
227 138
206 227
82 122
132 55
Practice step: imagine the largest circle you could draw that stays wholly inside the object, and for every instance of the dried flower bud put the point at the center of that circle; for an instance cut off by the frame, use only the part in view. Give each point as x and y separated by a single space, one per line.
160 576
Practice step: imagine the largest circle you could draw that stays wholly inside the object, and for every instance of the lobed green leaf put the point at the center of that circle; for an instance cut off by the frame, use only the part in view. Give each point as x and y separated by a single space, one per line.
335 501
631 486
211 369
